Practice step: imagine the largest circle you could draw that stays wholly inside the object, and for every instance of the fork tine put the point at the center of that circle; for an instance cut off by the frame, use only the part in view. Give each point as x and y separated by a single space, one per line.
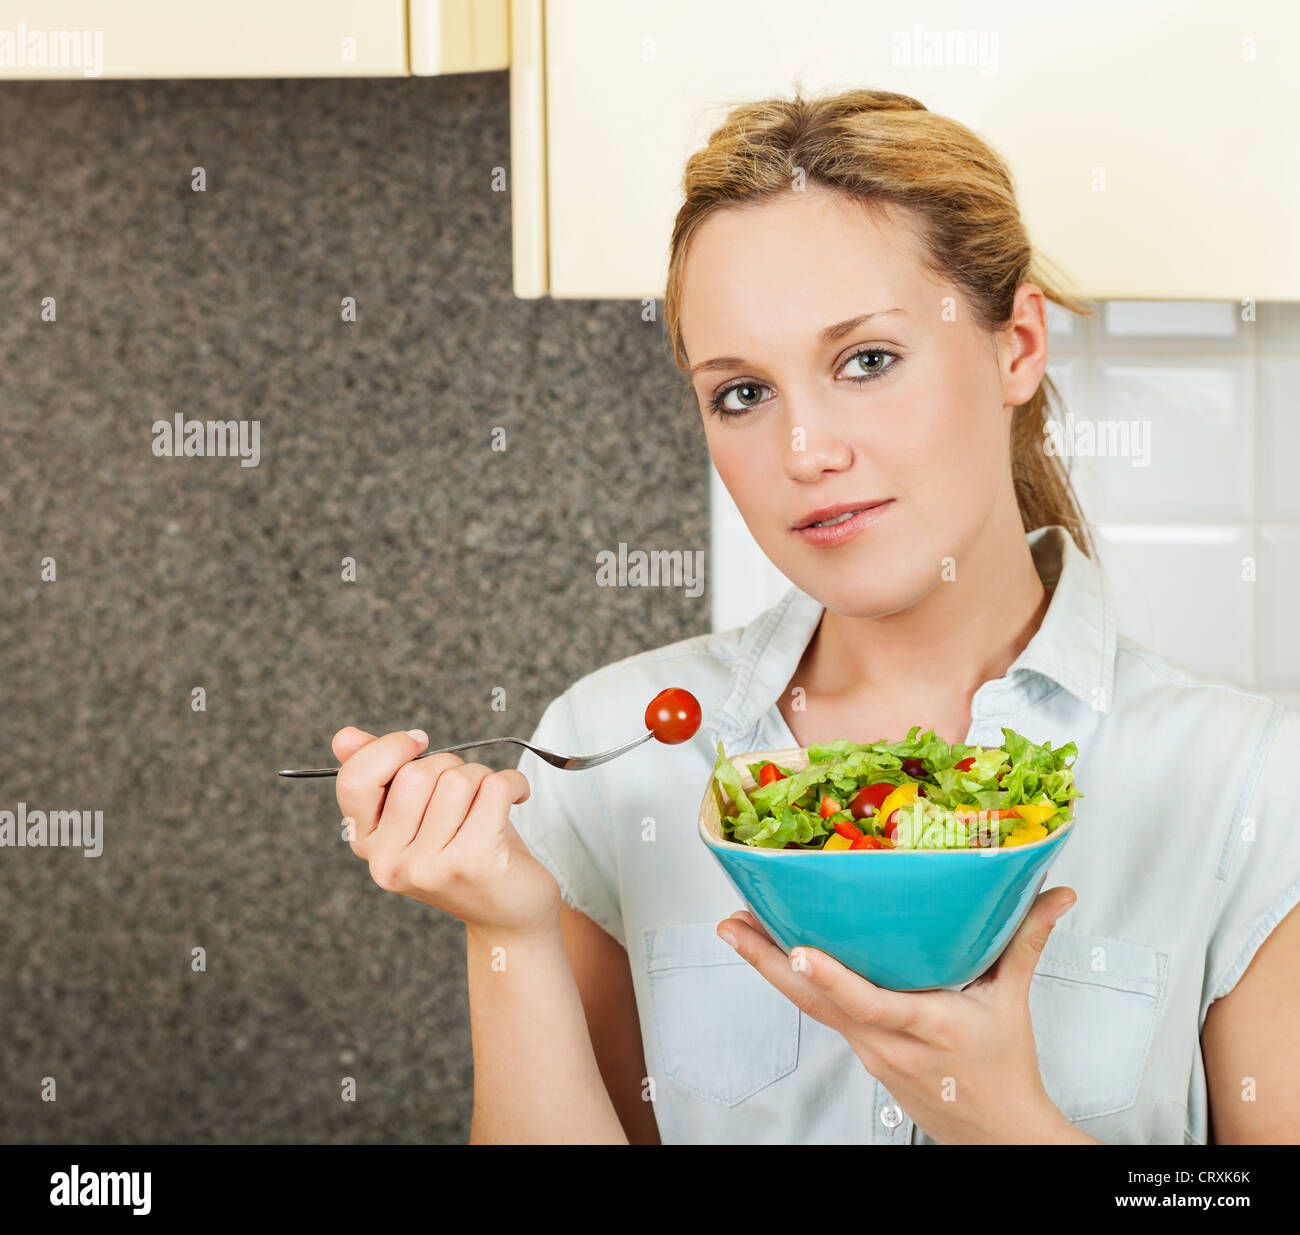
590 761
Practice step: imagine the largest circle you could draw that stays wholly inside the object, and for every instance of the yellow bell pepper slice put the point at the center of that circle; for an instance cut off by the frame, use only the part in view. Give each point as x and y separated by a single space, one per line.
898 797
1025 834
837 842
1035 812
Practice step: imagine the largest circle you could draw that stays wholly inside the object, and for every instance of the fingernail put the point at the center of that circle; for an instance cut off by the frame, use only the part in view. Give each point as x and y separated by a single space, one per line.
419 735
728 936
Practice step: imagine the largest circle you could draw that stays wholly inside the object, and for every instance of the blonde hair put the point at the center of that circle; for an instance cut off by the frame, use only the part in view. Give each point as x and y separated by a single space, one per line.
886 149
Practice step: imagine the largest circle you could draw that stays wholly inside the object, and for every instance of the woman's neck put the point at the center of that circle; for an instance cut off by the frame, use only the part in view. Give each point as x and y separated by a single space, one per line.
922 664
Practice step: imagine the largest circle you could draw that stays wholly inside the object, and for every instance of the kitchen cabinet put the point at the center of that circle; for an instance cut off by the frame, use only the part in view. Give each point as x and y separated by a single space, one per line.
82 39
458 36
1152 141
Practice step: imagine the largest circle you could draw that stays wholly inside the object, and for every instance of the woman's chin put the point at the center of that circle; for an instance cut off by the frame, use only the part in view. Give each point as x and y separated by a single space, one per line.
853 598
855 585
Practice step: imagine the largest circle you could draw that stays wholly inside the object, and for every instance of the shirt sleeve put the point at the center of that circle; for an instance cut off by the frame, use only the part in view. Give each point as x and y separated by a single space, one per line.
1260 861
565 826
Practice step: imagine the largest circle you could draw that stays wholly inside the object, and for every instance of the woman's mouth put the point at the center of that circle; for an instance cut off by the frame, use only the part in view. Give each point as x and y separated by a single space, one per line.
836 529
848 514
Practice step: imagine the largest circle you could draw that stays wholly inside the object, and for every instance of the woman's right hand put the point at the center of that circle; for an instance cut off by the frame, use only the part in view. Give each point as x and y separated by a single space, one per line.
438 830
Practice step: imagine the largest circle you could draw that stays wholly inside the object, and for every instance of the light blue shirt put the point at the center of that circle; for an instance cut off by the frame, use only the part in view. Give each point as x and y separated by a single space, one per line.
1186 854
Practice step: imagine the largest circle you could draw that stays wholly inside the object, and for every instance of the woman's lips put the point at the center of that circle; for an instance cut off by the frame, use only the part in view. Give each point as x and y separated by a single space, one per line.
838 533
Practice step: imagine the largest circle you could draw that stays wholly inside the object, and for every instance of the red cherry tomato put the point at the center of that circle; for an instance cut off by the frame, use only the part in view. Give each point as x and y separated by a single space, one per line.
770 773
891 824
829 806
870 798
867 842
673 716
847 830
966 764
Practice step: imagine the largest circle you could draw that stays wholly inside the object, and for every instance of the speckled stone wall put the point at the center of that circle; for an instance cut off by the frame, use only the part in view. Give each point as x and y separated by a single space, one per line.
475 569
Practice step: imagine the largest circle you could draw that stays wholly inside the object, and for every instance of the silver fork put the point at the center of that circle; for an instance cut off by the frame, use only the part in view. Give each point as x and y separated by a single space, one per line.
569 763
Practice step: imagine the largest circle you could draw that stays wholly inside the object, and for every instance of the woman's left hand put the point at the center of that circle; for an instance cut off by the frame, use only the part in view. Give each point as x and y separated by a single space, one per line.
962 1064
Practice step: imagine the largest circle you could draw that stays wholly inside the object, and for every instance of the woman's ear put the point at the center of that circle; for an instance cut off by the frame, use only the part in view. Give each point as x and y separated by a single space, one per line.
1023 346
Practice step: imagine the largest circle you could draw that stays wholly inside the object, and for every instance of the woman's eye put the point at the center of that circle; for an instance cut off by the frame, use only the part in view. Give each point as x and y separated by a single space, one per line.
738 399
867 369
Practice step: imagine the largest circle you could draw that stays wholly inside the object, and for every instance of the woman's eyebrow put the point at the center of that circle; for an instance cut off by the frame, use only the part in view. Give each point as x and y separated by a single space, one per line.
829 335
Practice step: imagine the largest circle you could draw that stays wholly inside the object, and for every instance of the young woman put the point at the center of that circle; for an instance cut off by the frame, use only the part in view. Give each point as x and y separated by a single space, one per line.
854 298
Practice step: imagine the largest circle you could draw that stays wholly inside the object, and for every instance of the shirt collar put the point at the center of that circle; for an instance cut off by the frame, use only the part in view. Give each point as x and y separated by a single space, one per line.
1073 647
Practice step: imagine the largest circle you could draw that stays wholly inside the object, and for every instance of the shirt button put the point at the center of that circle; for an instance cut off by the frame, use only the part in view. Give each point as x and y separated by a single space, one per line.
891 1117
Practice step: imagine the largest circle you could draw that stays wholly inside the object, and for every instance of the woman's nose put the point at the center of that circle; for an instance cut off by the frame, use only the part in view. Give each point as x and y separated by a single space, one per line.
815 446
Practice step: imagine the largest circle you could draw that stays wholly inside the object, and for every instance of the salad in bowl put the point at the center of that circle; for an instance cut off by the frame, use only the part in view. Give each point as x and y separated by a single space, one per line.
912 862
919 793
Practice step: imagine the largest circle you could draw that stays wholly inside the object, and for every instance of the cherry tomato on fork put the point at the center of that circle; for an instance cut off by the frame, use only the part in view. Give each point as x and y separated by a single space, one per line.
673 715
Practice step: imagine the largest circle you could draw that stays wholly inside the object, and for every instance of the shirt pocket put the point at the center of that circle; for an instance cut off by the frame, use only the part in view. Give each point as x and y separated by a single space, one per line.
724 1032
1095 1001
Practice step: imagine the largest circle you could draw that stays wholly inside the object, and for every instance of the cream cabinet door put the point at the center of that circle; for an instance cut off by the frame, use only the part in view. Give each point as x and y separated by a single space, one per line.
458 36
203 38
1153 142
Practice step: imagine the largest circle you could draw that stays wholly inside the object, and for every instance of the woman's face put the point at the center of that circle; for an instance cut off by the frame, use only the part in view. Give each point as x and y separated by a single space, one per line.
910 407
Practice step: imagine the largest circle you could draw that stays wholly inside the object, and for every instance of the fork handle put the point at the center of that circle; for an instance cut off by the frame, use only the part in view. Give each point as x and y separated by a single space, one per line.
447 750
304 773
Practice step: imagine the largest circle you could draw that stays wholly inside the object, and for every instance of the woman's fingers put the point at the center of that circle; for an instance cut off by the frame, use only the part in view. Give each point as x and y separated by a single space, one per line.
481 826
748 918
1014 969
825 989
406 811
362 781
408 799
347 741
476 791
776 967
447 809
868 1005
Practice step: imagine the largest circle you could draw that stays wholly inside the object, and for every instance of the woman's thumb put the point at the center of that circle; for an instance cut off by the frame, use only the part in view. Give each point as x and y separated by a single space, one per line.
1027 946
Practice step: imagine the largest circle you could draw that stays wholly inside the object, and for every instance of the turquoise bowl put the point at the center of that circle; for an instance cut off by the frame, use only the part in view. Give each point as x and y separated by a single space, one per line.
905 919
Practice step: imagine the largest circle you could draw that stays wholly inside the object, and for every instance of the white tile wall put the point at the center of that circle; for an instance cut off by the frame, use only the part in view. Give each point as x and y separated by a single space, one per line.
1279 603
1192 484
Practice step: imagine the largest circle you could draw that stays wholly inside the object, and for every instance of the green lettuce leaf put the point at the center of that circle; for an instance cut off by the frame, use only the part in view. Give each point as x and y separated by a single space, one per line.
726 779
